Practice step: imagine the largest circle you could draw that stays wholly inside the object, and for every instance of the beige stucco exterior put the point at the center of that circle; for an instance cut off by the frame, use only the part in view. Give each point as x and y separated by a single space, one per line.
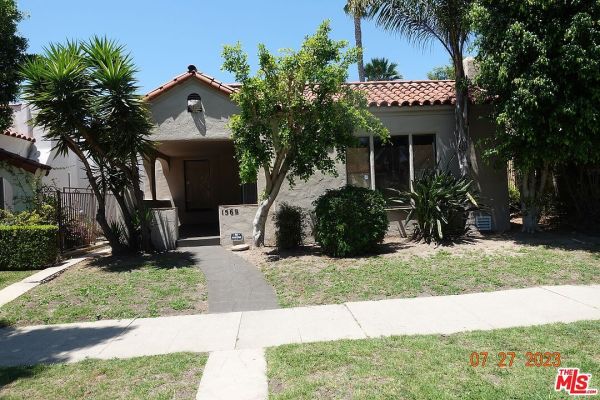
182 136
174 122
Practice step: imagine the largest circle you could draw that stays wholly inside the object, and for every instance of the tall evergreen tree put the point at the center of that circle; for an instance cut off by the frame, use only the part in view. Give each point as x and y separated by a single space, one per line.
12 54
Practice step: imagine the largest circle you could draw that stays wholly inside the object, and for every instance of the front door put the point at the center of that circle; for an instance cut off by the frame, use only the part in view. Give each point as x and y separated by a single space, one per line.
198 189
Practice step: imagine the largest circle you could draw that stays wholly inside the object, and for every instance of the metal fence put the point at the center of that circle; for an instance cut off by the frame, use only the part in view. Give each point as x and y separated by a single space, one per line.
76 210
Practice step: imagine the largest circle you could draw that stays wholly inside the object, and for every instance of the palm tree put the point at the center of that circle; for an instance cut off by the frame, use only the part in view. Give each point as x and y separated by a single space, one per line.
87 102
358 12
425 21
380 69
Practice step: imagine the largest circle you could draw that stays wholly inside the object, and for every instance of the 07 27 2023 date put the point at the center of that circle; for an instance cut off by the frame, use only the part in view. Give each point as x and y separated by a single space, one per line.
506 359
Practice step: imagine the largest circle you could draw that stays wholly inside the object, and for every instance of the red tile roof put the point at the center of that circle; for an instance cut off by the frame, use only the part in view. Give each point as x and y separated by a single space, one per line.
209 80
379 93
23 162
407 93
402 93
19 136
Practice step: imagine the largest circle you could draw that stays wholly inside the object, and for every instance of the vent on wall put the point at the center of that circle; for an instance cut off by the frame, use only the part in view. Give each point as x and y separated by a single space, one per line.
194 103
483 223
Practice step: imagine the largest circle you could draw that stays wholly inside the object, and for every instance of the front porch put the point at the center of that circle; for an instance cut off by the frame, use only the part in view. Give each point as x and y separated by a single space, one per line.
196 177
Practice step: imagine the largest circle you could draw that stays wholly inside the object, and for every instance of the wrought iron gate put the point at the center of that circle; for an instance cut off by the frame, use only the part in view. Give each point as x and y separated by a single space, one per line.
76 210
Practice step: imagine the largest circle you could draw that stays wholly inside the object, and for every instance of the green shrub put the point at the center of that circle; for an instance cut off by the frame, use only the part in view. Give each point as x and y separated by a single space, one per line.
28 247
350 221
289 227
44 215
439 203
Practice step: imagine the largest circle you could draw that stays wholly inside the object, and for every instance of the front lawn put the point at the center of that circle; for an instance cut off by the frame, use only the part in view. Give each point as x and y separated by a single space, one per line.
112 288
433 367
306 280
173 376
7 278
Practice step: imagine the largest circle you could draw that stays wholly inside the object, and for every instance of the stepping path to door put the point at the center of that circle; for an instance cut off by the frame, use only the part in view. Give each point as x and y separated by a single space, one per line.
233 283
236 339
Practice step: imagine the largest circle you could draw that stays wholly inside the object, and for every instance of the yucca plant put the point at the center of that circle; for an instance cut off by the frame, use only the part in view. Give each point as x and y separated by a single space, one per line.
87 102
439 203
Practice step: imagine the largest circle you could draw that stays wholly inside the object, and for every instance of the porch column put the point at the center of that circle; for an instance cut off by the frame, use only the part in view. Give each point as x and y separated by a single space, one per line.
150 166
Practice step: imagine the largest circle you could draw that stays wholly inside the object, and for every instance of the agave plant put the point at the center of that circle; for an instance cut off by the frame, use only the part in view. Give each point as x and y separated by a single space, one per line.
438 202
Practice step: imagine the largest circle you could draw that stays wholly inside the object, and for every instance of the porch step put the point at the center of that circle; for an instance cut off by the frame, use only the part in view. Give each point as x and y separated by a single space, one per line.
199 241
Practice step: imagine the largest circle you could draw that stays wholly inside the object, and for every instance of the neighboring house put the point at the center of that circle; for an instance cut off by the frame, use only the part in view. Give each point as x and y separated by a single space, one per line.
26 157
195 170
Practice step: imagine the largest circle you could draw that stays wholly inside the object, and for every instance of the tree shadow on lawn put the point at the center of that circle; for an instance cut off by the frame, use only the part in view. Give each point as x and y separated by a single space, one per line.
130 262
25 347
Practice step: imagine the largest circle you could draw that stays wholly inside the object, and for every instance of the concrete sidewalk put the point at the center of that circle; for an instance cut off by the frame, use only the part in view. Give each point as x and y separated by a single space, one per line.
259 329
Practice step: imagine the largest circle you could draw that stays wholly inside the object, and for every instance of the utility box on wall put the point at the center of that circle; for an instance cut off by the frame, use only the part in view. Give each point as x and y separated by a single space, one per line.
235 224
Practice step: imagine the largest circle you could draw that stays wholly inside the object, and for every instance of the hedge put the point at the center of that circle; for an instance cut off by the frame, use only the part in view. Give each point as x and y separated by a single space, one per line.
28 247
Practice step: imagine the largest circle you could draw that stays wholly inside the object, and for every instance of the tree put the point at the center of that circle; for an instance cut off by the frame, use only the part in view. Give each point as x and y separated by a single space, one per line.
12 54
544 85
424 21
86 101
358 12
444 72
380 69
297 115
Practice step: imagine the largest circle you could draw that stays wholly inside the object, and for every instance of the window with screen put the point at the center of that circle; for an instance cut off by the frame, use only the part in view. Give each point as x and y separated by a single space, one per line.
392 165
358 165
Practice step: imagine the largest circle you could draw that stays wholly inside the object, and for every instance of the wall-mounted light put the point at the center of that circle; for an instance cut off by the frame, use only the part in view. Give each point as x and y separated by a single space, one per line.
194 103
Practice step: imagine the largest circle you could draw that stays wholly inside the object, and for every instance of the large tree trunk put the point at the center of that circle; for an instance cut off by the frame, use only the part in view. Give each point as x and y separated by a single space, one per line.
113 240
533 185
462 117
358 38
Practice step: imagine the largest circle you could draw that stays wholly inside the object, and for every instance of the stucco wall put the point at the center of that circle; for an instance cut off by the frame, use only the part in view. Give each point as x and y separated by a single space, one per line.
18 187
236 219
434 120
489 175
174 122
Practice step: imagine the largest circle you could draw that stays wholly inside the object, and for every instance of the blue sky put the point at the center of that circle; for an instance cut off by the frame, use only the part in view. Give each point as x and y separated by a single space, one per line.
166 36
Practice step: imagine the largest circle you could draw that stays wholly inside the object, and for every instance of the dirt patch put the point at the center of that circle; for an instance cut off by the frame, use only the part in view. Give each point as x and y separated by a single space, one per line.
510 243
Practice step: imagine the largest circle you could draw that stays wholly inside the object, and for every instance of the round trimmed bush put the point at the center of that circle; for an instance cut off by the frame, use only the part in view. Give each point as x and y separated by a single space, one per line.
350 221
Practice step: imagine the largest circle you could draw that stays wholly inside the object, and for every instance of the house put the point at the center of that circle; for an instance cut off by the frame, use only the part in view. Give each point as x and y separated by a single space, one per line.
195 172
27 157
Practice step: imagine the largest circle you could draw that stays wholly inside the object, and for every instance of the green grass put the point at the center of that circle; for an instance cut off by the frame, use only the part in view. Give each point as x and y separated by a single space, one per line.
7 278
173 376
432 367
299 281
111 288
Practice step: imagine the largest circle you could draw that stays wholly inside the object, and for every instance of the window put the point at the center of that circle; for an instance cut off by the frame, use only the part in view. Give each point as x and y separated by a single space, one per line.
2 205
194 103
358 166
393 164
423 154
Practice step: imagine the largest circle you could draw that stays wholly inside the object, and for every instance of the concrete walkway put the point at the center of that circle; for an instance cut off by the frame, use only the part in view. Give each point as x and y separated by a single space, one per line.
15 290
233 283
234 374
260 329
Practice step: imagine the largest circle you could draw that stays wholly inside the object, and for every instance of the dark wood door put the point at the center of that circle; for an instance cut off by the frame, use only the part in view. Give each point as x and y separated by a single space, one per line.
198 189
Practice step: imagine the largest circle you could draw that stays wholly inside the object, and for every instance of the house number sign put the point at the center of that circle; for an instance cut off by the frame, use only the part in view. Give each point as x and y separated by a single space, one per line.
230 211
